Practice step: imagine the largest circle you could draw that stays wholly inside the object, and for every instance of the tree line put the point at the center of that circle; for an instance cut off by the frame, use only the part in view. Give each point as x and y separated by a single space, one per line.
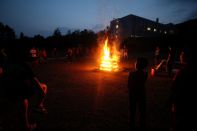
84 38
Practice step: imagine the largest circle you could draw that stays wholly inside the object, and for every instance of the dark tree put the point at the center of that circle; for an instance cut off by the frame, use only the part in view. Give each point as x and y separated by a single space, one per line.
6 32
22 35
57 33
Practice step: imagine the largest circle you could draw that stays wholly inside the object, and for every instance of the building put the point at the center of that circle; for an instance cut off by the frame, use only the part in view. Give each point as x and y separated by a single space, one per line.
135 26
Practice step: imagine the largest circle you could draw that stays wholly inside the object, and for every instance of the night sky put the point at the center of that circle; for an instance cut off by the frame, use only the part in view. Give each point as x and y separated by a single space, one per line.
41 16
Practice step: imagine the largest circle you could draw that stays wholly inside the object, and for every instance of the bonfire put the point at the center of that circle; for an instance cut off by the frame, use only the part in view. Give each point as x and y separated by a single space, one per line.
109 57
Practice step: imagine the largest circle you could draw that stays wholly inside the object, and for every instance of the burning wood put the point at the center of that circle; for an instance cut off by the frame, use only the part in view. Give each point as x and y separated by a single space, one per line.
109 58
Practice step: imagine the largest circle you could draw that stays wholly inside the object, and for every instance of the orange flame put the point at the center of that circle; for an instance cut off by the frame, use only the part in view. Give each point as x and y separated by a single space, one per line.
109 60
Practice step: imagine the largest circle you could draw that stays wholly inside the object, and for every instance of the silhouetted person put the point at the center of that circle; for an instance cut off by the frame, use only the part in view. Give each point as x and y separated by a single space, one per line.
182 58
54 52
137 94
20 85
1 62
43 55
34 56
170 61
157 55
183 96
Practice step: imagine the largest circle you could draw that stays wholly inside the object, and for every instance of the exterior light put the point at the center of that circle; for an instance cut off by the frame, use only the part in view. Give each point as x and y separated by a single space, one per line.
148 28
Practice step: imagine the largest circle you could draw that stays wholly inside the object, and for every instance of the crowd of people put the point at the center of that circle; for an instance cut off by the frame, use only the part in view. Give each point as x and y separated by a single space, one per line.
182 98
20 84
183 93
170 62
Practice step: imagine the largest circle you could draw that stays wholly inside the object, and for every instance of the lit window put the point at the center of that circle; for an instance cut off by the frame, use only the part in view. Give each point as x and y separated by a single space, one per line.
155 30
148 28
117 26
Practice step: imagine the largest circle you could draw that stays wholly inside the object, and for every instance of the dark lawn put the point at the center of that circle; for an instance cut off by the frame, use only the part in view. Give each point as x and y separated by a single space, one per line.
82 98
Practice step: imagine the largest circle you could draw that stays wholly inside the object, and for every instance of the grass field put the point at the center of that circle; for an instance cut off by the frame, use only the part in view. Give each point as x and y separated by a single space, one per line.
82 98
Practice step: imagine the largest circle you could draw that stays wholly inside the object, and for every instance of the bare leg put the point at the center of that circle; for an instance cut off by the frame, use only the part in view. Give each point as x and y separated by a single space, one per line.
23 116
41 94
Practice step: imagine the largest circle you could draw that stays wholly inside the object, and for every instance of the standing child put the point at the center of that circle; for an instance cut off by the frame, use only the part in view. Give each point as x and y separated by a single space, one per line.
137 93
